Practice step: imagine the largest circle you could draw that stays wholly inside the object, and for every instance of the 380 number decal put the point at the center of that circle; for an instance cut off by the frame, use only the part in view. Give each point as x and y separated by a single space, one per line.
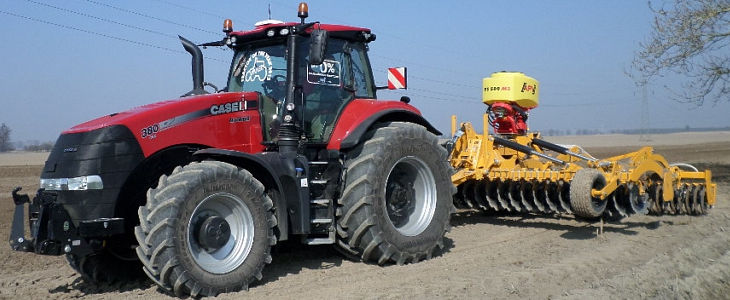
150 131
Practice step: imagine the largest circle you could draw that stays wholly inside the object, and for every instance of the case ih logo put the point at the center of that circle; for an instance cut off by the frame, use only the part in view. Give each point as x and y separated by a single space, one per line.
227 108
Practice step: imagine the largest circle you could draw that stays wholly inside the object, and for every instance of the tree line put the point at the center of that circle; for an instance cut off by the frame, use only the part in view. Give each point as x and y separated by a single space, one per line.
6 143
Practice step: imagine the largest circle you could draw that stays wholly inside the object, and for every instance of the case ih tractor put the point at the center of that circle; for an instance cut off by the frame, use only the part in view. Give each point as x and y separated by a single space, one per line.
195 191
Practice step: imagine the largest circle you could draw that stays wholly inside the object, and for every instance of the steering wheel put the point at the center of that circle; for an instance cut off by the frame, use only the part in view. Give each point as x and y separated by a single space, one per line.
275 87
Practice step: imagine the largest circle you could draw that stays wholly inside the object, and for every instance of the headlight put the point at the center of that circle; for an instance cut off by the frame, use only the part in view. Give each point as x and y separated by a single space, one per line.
81 183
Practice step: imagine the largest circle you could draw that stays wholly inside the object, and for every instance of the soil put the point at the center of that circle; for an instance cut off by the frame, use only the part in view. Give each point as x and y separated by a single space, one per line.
486 256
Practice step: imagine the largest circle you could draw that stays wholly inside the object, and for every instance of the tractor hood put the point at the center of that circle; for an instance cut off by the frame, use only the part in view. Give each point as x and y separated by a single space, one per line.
189 120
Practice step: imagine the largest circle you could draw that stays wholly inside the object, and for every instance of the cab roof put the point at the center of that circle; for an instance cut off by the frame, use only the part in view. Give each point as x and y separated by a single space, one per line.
338 31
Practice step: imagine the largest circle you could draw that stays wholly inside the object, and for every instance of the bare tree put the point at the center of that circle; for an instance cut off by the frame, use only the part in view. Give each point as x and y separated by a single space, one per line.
690 38
5 144
45 146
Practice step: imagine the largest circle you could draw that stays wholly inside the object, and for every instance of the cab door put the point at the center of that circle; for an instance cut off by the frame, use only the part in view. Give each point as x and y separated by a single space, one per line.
344 75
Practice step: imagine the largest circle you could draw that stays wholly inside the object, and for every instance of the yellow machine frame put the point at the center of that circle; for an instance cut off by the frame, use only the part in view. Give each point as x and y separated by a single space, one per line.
476 157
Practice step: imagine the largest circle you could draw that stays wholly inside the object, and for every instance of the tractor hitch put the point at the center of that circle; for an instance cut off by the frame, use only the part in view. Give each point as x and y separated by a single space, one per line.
18 241
52 230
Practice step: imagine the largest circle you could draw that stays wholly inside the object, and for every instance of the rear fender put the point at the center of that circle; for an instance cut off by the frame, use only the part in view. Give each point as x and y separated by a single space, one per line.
262 171
350 130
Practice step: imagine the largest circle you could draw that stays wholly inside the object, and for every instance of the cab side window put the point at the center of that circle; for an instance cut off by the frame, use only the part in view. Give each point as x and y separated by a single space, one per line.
361 74
326 91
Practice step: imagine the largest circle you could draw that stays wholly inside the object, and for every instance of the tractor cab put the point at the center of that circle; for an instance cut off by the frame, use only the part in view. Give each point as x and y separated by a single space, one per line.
275 60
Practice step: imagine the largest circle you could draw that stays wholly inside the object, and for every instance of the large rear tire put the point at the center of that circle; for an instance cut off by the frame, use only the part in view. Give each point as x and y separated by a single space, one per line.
206 229
397 198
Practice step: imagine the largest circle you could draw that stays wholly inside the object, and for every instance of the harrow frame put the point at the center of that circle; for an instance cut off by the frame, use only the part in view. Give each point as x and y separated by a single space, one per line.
521 162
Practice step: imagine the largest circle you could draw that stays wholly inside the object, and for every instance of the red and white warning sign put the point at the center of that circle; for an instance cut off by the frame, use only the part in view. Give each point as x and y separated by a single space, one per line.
397 78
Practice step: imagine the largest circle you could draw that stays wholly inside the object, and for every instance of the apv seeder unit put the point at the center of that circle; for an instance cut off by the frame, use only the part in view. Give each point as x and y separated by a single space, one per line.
511 170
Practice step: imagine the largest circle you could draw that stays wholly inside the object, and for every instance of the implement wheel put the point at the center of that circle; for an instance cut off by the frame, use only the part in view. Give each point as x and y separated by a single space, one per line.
397 197
581 200
206 229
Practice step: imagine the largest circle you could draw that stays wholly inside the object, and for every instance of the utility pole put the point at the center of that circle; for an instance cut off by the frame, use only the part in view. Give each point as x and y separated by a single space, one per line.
644 136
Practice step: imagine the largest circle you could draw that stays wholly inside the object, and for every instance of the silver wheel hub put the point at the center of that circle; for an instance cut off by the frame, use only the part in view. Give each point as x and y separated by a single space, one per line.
410 196
220 233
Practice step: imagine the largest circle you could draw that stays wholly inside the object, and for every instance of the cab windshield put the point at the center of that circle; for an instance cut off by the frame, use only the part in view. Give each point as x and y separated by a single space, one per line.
325 89
260 69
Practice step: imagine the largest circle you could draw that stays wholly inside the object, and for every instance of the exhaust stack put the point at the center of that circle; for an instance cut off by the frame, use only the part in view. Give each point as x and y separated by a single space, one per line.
197 63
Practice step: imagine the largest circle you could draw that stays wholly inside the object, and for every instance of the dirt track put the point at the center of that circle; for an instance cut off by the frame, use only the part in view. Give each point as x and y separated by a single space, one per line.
487 256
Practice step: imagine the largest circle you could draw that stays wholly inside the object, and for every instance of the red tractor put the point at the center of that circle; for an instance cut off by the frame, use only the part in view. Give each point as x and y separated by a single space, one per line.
195 191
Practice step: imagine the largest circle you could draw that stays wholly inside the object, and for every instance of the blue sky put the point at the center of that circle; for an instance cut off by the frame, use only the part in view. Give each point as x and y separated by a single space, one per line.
102 56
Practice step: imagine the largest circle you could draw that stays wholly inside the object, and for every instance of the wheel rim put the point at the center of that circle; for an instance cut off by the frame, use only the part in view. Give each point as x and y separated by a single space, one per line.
238 245
410 196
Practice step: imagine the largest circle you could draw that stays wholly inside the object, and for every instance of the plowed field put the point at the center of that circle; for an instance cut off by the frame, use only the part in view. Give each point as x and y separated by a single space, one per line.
487 256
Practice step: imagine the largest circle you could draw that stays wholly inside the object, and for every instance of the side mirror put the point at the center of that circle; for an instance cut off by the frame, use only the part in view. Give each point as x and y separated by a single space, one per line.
318 46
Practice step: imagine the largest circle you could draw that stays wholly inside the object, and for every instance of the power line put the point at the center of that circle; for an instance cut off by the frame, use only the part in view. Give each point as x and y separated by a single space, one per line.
381 56
384 70
200 11
583 104
447 82
191 9
427 97
434 98
102 34
104 20
440 93
151 17
420 64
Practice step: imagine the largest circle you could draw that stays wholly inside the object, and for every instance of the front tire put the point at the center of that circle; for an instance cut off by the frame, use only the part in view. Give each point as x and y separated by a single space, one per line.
397 198
206 229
